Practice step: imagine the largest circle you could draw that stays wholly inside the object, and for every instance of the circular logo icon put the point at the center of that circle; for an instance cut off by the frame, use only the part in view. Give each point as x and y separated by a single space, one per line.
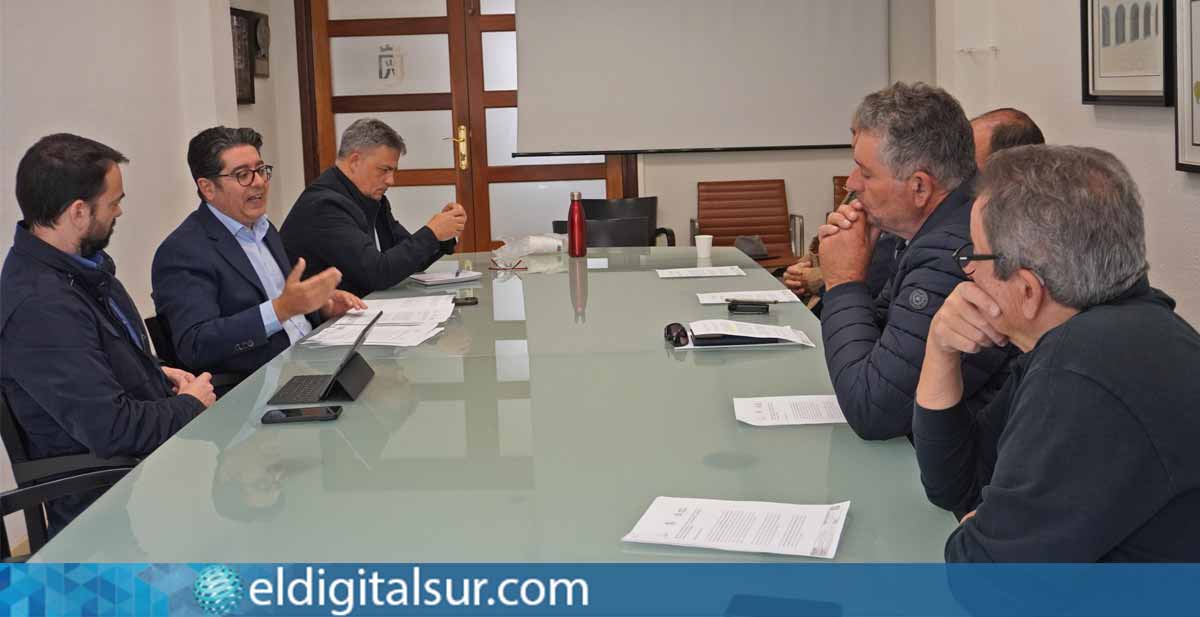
218 590
918 299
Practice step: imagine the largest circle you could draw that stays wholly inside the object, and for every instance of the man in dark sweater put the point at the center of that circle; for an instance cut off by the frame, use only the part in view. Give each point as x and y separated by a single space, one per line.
1088 453
914 170
343 219
75 362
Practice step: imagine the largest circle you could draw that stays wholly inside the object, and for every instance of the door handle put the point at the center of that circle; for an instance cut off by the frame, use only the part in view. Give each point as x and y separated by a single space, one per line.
461 140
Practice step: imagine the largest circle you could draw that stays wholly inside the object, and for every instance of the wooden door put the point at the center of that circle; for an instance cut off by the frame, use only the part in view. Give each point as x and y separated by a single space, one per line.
435 69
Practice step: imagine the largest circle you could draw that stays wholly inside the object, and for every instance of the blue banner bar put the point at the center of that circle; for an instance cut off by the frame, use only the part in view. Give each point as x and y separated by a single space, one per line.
728 590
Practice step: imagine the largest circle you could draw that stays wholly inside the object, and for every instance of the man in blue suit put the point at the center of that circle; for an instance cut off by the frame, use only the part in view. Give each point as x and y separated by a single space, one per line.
222 280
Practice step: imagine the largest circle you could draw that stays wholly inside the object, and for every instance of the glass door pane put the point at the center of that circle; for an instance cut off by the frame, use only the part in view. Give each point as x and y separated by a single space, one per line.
408 64
423 133
499 60
413 206
502 142
524 208
386 9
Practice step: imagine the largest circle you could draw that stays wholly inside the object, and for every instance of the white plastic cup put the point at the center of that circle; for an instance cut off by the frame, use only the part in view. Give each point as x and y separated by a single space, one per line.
704 246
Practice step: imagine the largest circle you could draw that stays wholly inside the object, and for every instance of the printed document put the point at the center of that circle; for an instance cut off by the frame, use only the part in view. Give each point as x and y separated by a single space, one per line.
788 410
743 526
403 317
687 273
774 296
754 330
387 336
410 304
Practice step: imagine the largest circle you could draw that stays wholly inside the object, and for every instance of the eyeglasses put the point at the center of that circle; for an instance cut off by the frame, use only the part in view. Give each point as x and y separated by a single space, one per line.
245 177
676 334
966 254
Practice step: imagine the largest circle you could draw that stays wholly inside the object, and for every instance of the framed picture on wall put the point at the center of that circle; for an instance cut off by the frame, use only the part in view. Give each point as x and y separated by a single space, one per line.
1187 96
242 23
1128 52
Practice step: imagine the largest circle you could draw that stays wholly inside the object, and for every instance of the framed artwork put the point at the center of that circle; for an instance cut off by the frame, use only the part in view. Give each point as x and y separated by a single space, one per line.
1128 52
262 45
243 54
1187 96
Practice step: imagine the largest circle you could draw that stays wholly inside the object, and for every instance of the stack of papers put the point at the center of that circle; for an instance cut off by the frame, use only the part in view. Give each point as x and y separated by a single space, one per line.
687 273
786 334
406 322
786 410
446 278
743 526
774 296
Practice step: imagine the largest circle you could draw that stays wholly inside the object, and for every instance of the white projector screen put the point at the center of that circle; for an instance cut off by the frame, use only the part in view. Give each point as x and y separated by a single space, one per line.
679 75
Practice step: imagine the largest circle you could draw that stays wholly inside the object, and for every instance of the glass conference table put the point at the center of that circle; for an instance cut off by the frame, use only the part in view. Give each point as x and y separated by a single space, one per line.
537 427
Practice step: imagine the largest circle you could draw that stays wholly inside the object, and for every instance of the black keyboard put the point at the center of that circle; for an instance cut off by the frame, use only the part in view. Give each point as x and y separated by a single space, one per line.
301 389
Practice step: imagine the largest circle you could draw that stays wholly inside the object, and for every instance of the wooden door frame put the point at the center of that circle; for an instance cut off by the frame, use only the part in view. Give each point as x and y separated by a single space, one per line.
318 105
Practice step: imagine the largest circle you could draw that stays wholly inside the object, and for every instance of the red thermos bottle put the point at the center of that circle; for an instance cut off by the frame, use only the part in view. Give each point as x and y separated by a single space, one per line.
576 228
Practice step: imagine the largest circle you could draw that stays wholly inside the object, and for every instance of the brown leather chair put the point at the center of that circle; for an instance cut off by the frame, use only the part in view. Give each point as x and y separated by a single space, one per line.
726 210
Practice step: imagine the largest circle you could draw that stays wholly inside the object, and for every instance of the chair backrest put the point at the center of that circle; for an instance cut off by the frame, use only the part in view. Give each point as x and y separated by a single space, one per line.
11 433
632 207
726 210
628 231
160 337
33 499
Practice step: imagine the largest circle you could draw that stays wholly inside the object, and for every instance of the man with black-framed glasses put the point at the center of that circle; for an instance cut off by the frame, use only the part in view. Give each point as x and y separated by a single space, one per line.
231 298
1088 452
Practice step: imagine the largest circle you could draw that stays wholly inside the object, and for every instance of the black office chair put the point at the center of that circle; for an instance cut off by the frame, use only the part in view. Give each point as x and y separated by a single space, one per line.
30 473
612 232
598 209
34 498
164 348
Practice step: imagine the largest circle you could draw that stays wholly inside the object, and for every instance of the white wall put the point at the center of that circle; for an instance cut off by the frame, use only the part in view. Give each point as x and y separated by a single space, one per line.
143 76
807 173
139 75
1037 70
276 109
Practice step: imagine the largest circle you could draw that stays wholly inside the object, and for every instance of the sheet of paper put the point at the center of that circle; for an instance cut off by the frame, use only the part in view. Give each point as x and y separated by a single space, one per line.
403 317
775 295
683 273
411 304
755 330
743 526
444 278
788 410
386 335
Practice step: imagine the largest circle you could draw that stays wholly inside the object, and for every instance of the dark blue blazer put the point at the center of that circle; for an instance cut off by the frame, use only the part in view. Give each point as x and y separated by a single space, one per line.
208 293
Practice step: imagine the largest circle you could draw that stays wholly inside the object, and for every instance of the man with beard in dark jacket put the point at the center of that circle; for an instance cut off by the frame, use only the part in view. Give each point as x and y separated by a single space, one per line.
344 220
914 168
75 362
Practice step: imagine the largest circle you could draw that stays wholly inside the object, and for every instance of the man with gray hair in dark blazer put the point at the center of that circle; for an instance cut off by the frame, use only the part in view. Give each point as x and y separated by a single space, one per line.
344 220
